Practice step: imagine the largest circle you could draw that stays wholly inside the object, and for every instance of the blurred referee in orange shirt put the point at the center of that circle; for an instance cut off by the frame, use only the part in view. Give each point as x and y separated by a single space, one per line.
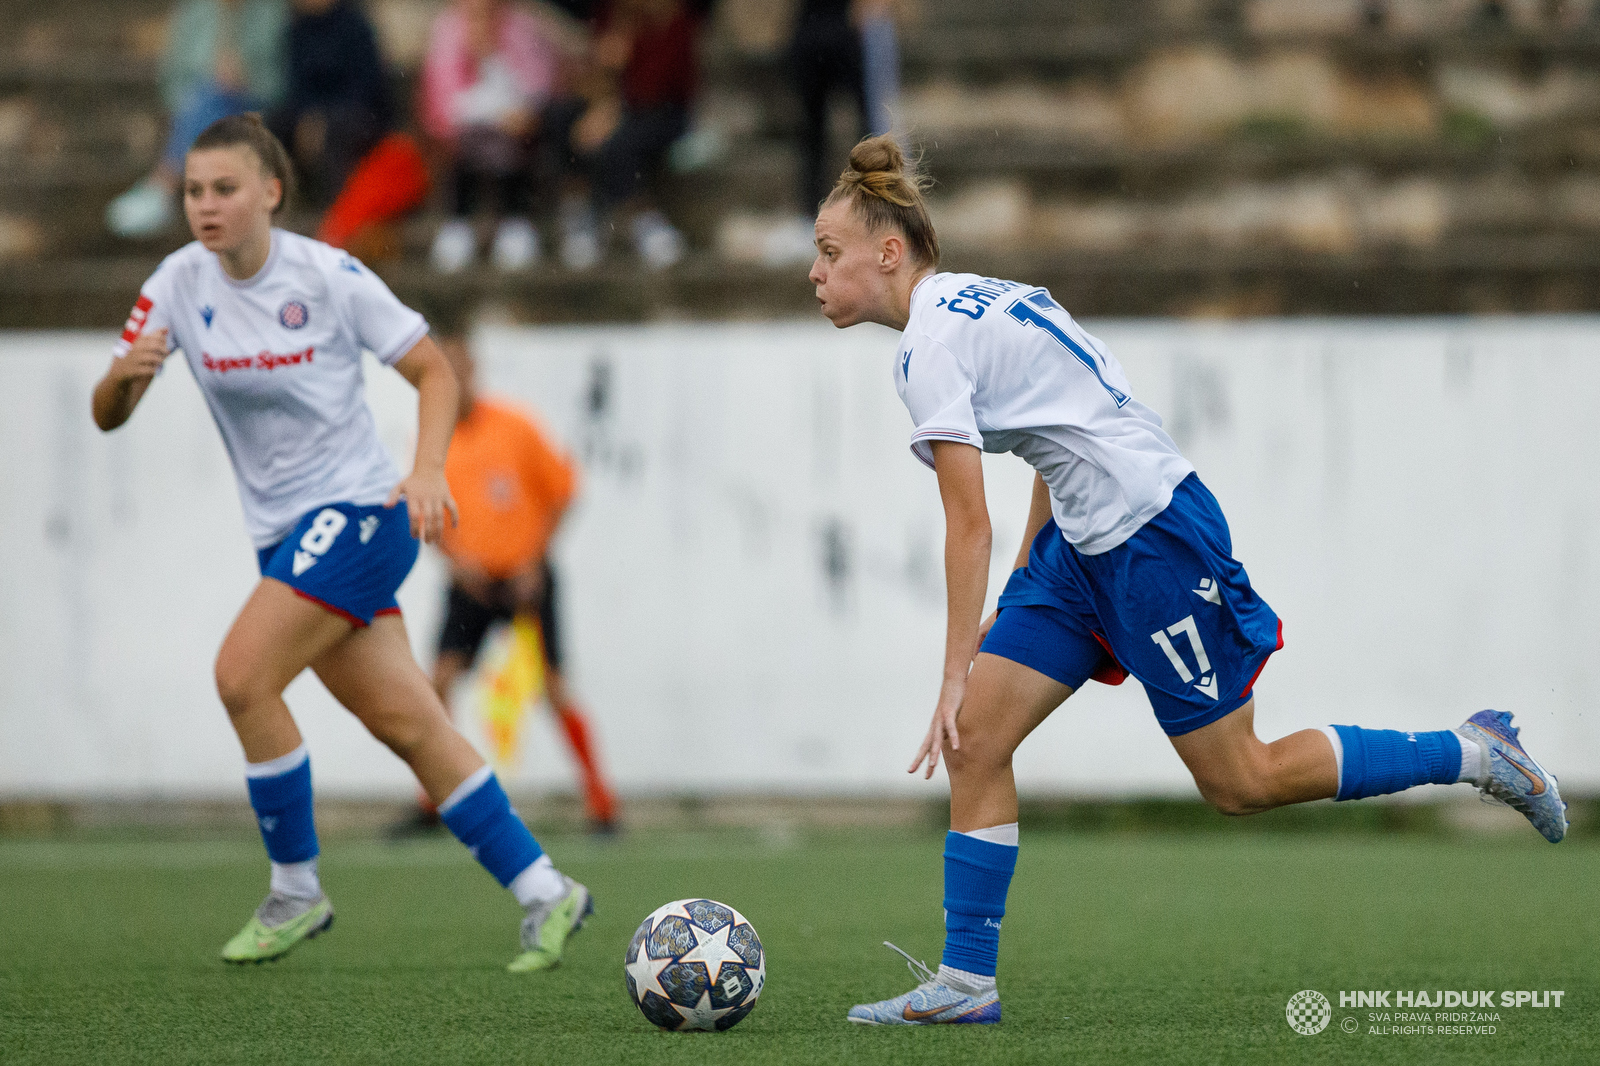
512 486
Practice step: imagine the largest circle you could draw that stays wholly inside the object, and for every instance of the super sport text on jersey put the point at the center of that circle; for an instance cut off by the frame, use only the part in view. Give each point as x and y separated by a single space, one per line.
260 361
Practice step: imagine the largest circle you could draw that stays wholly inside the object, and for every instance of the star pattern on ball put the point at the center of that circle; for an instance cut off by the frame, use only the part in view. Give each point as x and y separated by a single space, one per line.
646 972
712 950
702 1015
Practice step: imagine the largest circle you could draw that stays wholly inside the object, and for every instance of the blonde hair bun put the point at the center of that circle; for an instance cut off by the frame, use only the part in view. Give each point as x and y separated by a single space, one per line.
888 192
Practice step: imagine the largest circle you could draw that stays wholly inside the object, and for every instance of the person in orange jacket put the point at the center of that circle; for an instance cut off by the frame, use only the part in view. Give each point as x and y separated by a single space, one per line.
512 484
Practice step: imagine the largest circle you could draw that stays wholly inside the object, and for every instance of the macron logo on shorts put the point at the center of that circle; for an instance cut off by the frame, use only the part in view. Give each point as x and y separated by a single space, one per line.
303 561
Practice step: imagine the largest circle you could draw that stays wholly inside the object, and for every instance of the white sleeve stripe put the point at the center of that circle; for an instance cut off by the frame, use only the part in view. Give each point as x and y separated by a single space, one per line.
410 340
942 434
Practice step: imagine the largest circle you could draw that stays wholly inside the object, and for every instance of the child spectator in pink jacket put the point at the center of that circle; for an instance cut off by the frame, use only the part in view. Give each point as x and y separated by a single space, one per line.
489 70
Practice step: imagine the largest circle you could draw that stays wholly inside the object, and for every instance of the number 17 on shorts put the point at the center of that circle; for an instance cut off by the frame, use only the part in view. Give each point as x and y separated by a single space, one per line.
1186 627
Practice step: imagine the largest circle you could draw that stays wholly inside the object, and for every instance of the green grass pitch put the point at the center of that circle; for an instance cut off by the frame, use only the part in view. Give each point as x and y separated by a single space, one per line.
1119 948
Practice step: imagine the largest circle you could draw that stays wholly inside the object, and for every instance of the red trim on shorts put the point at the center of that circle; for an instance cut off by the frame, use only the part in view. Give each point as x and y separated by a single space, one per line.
1116 673
386 610
325 605
1263 665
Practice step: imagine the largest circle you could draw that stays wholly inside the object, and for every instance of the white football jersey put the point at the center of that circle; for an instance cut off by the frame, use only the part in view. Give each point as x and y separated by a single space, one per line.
1001 366
278 359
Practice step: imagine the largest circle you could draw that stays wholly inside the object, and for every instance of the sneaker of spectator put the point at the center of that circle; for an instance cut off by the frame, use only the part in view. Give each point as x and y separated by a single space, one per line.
580 236
489 70
657 244
223 57
516 245
455 246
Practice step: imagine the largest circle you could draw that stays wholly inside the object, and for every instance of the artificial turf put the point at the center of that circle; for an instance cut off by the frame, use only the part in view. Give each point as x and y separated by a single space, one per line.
1136 948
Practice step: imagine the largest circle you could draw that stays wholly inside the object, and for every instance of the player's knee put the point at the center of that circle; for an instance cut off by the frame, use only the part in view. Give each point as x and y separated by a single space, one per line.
977 756
405 728
1236 795
237 683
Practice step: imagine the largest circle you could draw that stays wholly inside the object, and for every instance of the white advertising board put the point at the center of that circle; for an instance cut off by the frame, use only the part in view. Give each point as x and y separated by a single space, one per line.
752 577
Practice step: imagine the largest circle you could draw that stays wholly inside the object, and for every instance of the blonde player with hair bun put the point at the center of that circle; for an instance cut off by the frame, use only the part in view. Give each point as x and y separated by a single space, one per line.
1126 568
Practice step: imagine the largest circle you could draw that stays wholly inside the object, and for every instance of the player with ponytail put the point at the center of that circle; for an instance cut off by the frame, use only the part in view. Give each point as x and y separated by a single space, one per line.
1126 567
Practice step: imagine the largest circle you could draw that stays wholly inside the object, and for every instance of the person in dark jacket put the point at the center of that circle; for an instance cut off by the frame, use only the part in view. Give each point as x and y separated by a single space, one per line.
336 104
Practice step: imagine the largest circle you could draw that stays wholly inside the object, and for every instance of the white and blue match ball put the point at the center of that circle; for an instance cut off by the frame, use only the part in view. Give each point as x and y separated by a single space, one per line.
695 964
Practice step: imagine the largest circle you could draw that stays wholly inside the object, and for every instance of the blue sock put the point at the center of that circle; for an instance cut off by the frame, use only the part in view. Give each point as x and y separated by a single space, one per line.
977 874
480 816
280 793
1380 761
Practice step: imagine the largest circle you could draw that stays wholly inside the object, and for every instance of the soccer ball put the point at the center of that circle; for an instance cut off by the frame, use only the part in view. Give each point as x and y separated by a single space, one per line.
695 964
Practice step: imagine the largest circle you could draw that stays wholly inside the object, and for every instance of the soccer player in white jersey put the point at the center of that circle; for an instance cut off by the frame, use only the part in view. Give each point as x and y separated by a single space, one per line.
1126 567
272 326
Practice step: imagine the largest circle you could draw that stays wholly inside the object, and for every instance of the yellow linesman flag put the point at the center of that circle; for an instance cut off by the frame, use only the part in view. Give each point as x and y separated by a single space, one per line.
513 681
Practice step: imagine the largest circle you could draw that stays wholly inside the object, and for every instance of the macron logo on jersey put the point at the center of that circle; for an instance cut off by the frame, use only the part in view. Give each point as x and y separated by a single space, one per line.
264 361
208 312
905 364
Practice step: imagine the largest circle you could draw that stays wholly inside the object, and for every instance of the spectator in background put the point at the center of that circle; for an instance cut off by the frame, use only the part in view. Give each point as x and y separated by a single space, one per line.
880 63
825 58
489 70
223 57
640 81
336 101
839 46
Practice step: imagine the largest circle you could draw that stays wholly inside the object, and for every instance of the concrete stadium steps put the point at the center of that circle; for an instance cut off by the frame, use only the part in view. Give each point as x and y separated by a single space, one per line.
1150 156
1541 274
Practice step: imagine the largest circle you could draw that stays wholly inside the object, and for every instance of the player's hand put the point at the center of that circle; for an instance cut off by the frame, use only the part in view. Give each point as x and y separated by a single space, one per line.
983 630
428 501
951 694
144 358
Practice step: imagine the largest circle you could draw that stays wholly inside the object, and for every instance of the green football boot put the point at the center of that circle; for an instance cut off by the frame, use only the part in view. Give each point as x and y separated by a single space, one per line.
278 924
548 925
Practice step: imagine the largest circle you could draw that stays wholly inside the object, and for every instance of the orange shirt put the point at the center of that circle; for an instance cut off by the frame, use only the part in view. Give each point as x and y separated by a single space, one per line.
512 485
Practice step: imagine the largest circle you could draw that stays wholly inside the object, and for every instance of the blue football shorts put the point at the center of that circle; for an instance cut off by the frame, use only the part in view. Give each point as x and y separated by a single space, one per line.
346 558
1170 605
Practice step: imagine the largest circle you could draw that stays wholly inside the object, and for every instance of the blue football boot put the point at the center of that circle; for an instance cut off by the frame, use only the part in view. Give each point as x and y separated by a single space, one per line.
930 1003
1514 778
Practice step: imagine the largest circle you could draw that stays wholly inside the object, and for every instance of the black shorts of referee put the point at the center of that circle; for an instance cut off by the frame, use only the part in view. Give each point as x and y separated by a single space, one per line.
467 619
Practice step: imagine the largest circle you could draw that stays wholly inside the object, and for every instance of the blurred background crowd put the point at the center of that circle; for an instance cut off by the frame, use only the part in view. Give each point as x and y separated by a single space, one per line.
630 159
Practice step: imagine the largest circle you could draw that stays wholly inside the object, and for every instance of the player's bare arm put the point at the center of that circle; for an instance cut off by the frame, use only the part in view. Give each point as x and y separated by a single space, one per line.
1038 514
426 491
126 379
967 543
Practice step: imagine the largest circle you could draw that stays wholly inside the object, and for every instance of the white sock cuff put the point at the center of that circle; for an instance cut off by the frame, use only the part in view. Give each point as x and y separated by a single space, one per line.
962 981
541 882
474 781
281 765
1474 767
1338 750
996 834
298 879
